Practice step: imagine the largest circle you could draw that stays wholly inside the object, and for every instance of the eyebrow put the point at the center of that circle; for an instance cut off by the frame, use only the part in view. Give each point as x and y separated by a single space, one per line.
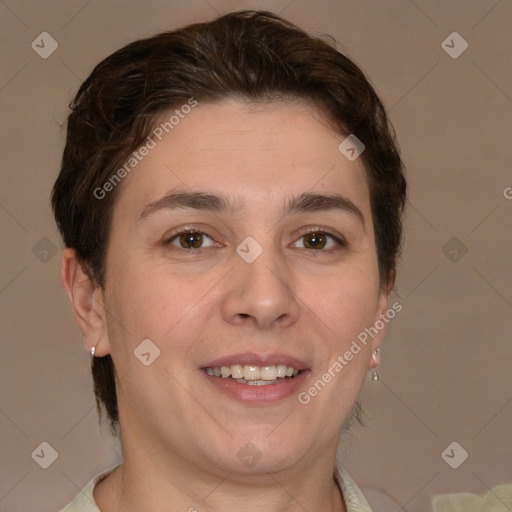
207 201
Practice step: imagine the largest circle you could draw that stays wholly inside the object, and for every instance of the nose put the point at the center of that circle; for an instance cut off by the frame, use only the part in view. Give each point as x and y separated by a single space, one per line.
261 293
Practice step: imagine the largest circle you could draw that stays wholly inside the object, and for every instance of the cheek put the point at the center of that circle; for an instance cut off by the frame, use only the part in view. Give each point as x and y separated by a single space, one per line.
152 303
347 303
347 307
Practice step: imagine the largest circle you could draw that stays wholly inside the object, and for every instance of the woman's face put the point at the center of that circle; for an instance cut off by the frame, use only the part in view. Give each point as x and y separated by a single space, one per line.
279 268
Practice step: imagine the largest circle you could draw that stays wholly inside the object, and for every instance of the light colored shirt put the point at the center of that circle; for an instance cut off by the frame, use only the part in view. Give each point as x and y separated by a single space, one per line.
498 499
352 495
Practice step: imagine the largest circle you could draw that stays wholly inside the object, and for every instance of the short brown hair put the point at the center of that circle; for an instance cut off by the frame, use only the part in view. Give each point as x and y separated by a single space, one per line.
254 55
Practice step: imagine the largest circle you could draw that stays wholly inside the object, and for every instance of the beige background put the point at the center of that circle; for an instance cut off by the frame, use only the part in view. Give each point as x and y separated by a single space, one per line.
445 374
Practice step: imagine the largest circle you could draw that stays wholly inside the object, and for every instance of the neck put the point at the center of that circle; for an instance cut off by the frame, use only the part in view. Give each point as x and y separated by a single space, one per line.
152 479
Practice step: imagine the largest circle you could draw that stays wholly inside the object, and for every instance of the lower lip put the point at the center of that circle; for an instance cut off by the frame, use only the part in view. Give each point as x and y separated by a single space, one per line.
256 395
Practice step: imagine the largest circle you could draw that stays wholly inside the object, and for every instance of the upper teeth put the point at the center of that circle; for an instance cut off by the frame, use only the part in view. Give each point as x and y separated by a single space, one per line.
249 372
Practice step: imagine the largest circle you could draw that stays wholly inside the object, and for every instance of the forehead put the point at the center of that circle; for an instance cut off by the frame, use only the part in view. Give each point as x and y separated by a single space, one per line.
252 152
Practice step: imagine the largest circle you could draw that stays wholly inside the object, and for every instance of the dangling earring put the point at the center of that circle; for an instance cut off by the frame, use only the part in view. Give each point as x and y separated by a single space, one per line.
93 350
375 375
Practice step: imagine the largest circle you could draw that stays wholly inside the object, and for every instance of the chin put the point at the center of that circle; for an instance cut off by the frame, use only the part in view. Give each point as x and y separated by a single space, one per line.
262 453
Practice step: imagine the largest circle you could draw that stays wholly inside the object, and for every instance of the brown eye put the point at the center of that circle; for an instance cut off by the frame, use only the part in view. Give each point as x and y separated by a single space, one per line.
189 240
320 240
315 240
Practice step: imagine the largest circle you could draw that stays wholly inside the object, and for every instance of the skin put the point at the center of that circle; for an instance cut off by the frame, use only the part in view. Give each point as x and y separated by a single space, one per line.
180 436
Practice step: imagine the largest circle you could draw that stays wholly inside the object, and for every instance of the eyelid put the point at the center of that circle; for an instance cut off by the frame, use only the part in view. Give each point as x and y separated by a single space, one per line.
168 237
338 237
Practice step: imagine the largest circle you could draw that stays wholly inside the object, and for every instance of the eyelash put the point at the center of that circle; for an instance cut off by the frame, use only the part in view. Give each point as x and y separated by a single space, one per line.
338 239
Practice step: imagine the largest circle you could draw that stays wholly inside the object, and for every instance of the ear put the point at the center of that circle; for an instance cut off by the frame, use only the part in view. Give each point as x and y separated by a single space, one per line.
381 319
86 298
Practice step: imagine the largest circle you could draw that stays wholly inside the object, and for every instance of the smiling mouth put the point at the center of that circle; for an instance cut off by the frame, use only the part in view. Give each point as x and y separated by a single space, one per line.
254 375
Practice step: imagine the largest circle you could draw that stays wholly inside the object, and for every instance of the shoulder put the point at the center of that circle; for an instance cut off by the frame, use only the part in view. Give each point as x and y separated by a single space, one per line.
84 500
352 495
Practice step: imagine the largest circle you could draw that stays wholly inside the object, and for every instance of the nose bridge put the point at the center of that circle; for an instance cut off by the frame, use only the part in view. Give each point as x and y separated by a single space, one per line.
261 287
